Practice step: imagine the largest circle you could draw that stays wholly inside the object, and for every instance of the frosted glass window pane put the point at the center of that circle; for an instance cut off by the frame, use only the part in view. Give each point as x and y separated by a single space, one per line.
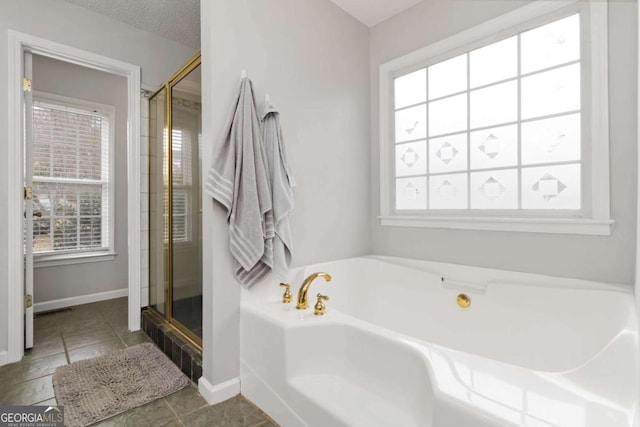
551 92
494 105
551 140
551 187
411 123
448 77
411 89
498 61
448 154
448 191
494 148
411 158
411 193
552 44
448 115
494 189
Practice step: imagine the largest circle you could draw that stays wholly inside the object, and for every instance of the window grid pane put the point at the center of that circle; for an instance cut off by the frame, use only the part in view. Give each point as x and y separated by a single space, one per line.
547 148
71 172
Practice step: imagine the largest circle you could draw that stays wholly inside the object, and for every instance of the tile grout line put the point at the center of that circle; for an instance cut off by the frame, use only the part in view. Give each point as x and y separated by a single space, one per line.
113 329
175 414
268 418
66 351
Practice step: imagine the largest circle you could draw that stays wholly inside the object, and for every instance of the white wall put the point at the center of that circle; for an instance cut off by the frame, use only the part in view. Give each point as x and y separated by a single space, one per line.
313 60
609 259
74 81
72 25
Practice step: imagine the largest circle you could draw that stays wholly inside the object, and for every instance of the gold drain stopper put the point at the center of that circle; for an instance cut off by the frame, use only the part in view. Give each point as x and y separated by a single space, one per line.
464 300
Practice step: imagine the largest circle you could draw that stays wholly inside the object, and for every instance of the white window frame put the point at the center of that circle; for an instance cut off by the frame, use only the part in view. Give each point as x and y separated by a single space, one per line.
90 255
594 218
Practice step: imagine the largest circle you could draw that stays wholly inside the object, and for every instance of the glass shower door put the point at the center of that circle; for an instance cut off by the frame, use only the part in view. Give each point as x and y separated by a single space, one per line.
186 203
158 196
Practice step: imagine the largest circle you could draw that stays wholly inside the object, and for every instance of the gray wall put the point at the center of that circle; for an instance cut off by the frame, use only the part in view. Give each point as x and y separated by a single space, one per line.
313 60
609 259
75 26
65 79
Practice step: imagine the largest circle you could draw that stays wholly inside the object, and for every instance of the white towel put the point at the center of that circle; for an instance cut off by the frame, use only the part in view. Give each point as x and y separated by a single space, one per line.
282 183
238 180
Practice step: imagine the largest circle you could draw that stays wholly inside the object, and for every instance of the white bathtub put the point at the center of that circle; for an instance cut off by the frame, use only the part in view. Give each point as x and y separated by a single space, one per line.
395 349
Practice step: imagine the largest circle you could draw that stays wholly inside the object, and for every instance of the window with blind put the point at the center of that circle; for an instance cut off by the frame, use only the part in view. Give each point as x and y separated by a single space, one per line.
499 123
72 177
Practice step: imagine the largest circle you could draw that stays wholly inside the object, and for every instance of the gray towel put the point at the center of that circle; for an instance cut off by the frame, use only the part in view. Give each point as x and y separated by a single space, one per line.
238 180
282 183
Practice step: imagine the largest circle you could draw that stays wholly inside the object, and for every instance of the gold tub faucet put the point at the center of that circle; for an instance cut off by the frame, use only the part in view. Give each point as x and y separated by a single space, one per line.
304 289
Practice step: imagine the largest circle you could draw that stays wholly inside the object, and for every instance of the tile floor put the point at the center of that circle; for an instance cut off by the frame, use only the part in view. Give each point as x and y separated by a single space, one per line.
97 329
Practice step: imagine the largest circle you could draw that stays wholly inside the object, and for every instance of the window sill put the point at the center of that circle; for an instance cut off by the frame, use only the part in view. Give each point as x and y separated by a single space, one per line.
593 227
67 259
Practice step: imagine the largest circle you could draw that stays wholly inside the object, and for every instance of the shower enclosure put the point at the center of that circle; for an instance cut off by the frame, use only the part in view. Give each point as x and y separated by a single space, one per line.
175 202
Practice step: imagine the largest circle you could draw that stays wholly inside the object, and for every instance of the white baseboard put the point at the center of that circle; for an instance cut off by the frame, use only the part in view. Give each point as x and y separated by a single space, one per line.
220 392
3 358
82 299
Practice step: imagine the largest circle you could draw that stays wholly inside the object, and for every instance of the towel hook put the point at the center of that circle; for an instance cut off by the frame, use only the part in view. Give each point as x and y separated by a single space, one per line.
243 74
267 98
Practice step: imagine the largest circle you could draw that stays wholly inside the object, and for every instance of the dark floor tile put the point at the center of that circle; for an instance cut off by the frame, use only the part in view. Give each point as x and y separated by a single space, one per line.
119 319
95 350
145 322
169 337
43 347
186 401
27 393
236 412
43 334
48 402
176 353
196 370
156 413
153 332
121 328
115 316
79 326
160 336
134 338
28 369
186 360
74 341
80 312
173 423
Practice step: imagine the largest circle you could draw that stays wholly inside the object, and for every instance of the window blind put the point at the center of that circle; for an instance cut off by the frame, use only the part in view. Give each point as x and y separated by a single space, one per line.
182 187
71 178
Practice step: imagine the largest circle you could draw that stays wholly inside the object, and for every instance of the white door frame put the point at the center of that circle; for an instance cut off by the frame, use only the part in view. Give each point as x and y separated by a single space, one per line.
19 42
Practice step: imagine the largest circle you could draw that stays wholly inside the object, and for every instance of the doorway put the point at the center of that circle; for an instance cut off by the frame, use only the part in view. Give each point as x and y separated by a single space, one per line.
77 163
21 309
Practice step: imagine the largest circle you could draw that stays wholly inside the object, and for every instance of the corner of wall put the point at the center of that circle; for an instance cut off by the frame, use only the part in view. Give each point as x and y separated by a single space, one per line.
220 392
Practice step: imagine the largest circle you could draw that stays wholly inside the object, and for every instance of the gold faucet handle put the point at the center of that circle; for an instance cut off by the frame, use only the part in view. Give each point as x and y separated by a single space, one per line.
320 308
287 297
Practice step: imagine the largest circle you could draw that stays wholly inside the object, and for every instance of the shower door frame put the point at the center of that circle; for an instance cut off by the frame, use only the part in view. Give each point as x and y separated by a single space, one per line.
191 65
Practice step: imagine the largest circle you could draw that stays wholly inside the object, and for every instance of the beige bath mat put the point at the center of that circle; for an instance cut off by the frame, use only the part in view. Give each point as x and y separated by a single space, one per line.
95 389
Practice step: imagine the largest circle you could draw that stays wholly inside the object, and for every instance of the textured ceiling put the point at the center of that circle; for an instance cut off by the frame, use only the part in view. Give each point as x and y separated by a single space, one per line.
373 12
177 20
